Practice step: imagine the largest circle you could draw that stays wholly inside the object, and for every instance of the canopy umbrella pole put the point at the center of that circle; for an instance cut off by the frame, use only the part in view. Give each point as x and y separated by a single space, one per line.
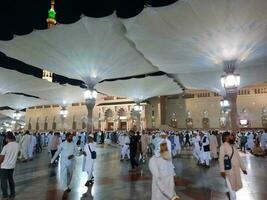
90 103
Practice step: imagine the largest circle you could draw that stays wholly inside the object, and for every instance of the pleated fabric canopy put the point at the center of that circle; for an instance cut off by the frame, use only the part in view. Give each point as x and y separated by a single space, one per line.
63 95
13 81
19 102
192 39
22 17
90 50
140 89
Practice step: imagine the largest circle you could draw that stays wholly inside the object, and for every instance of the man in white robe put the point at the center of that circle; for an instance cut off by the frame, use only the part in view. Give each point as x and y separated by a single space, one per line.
31 146
213 146
205 154
196 146
250 140
144 145
88 161
177 144
24 146
124 142
49 141
162 169
68 150
231 176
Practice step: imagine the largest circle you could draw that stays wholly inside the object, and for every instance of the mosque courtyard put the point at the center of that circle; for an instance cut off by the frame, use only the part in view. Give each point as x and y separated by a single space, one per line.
34 180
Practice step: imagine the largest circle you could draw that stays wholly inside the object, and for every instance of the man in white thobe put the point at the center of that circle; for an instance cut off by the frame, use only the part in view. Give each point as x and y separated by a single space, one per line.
250 140
24 146
232 176
124 142
68 150
213 146
196 146
205 154
31 146
177 144
49 141
144 145
88 161
162 169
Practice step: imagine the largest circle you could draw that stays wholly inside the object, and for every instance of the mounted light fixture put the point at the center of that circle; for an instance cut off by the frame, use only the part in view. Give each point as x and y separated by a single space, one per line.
224 103
90 94
138 108
230 81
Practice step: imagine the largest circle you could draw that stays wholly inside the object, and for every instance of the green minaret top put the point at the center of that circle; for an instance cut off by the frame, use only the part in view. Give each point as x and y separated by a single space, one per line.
51 20
52 13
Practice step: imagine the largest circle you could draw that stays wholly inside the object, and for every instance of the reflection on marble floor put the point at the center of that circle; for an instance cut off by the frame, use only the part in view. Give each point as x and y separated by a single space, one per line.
35 181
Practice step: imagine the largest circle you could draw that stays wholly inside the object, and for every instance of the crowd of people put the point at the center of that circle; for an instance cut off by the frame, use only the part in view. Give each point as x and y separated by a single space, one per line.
158 147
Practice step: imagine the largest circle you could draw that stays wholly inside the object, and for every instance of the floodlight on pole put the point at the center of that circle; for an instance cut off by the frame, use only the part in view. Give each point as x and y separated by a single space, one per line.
90 94
224 103
230 81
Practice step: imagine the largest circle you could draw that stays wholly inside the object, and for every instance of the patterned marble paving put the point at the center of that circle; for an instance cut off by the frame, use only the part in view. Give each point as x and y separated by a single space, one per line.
35 181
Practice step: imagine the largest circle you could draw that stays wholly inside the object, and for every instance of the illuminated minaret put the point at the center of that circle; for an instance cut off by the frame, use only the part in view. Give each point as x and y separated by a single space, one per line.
51 20
47 75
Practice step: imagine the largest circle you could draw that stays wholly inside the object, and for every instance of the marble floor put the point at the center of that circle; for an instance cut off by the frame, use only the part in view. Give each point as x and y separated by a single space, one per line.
35 181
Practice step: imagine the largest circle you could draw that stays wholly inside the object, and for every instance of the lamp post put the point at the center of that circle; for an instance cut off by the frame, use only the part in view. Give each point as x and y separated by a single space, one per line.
90 96
231 81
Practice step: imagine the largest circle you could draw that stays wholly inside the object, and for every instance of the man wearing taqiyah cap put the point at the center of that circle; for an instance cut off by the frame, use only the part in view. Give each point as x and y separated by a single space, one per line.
89 159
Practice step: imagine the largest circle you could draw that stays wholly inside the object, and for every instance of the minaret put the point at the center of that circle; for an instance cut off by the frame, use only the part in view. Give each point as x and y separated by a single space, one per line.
51 20
47 75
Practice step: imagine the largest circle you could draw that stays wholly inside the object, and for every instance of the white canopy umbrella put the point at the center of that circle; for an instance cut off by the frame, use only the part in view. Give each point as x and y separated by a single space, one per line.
19 102
197 36
140 89
90 50
13 81
66 94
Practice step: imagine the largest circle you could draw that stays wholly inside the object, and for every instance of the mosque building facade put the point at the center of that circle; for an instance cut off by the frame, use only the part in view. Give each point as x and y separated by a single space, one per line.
194 109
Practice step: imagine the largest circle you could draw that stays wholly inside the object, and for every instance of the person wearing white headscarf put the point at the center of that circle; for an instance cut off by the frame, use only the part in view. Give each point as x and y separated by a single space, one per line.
164 137
88 160
162 169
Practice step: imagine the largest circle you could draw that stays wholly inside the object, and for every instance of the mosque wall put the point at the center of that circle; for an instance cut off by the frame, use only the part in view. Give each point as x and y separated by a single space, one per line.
112 113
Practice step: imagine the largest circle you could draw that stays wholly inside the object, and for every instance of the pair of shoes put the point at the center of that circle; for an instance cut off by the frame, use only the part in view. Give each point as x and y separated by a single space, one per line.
68 190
